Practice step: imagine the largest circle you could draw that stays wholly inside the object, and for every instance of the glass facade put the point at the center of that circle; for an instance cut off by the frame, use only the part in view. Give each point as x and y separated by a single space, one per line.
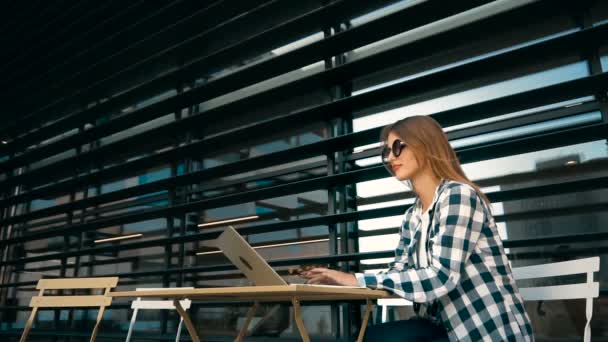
123 143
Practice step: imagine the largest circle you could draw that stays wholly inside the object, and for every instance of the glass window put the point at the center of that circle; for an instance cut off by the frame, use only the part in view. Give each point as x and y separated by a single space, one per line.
551 125
469 97
454 22
397 6
599 13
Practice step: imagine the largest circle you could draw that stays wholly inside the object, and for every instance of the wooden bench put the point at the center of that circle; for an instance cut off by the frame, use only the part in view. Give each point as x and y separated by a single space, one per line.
42 301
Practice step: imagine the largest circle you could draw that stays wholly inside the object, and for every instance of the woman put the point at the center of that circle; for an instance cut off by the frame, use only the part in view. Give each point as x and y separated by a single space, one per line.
450 260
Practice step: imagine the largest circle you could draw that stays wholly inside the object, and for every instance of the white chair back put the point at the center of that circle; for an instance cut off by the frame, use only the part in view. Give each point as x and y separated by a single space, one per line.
587 290
138 304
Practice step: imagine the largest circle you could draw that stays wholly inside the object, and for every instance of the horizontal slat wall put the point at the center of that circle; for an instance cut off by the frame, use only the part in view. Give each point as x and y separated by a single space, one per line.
297 27
116 92
359 102
556 93
566 137
373 31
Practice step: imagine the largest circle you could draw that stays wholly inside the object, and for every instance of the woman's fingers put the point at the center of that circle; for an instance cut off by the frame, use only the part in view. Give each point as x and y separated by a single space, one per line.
314 271
317 270
317 276
326 276
321 279
315 280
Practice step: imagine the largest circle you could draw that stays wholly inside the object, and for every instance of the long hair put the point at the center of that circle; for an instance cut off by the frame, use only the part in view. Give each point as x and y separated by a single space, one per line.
430 145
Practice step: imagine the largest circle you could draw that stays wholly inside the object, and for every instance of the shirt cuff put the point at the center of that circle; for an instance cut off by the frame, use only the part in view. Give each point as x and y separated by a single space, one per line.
361 279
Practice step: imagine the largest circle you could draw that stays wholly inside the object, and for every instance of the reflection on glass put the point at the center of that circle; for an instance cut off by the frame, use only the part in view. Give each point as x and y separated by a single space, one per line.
537 128
390 9
298 44
521 113
469 97
447 24
527 162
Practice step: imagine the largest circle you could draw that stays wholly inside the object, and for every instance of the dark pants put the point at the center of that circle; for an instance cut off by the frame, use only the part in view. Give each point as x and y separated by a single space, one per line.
411 330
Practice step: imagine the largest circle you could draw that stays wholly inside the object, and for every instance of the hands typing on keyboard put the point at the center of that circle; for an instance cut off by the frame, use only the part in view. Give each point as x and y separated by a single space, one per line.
315 274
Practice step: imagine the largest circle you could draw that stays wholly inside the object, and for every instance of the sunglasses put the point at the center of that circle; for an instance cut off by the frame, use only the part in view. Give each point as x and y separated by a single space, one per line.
397 147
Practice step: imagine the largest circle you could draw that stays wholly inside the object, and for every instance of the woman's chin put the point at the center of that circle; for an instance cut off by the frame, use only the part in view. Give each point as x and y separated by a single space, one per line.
402 177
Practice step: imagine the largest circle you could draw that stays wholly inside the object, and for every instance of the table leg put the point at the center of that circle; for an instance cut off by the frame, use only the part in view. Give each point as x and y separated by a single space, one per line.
368 310
186 318
28 325
267 316
250 314
298 318
96 328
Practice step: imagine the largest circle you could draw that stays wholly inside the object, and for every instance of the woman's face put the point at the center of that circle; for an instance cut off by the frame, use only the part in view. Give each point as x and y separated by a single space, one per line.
405 167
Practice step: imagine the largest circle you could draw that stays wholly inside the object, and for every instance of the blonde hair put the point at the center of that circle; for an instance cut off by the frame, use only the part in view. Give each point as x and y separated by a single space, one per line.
429 143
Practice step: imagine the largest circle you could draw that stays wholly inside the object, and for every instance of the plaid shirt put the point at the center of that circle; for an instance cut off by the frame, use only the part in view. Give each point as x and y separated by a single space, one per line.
468 285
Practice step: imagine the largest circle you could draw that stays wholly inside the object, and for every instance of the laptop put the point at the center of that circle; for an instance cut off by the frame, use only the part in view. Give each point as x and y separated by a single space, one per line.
246 259
250 262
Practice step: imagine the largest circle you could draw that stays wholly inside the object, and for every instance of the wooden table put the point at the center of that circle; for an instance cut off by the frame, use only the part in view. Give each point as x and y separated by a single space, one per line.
294 293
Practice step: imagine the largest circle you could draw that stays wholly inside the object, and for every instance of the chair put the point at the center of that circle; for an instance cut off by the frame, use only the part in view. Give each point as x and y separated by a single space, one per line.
42 301
385 303
587 290
138 304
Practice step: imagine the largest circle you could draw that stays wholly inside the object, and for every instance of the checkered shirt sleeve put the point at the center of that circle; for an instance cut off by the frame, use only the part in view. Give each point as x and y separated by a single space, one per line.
461 220
401 261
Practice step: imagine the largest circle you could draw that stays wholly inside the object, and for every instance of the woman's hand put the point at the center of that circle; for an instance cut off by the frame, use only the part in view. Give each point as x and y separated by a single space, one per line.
320 275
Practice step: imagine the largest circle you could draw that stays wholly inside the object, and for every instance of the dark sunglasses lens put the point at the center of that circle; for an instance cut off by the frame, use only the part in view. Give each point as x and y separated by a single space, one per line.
397 146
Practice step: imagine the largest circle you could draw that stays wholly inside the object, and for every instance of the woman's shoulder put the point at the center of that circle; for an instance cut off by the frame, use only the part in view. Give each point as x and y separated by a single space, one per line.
456 194
452 188
456 185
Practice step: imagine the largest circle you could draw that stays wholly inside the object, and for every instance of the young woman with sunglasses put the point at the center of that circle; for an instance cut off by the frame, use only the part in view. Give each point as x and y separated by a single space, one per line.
450 260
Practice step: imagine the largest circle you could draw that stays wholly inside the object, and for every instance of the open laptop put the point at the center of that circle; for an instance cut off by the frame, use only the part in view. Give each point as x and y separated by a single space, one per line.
247 259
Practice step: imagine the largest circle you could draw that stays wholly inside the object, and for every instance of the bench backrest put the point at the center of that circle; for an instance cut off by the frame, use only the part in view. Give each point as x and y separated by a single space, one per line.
43 301
77 283
99 301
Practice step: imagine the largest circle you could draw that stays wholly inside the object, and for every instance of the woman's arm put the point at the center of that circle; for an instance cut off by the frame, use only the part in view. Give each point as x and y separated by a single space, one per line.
401 258
321 275
461 218
401 262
